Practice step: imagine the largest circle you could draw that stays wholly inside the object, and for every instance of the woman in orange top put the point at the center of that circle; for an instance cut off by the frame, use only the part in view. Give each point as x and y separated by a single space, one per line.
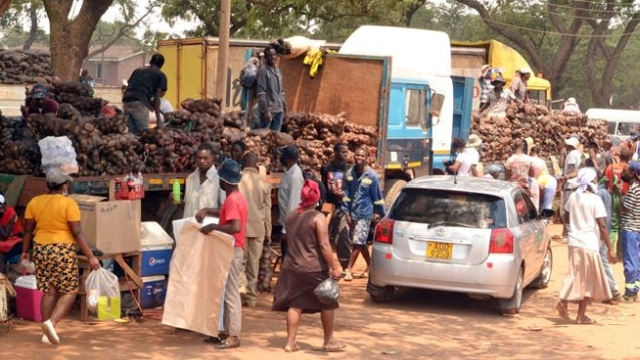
54 219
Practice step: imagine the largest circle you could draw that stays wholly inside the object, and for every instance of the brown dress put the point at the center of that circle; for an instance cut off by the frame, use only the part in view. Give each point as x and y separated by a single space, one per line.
303 268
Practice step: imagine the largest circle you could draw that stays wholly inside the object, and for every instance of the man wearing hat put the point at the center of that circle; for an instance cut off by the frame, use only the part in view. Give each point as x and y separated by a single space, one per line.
10 234
485 86
499 97
519 84
472 149
39 103
630 234
233 221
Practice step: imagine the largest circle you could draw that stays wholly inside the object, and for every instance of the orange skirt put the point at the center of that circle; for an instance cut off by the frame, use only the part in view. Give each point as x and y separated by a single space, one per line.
586 277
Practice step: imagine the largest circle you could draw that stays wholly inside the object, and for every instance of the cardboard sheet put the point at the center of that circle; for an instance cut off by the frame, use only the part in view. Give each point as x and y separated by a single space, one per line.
197 278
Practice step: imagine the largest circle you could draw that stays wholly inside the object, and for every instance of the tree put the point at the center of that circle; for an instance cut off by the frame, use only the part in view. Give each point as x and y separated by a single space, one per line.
552 31
4 5
17 14
70 37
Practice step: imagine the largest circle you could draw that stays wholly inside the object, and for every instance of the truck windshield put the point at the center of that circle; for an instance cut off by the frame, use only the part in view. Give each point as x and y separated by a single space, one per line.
415 107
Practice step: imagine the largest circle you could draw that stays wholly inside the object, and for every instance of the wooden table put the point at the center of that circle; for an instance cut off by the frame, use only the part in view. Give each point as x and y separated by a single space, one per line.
132 281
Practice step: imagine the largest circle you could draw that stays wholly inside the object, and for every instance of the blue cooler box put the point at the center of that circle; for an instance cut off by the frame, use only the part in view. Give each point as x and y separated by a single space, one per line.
153 292
156 249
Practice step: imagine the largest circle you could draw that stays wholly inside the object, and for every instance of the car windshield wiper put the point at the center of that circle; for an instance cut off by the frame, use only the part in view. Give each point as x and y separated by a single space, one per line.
450 223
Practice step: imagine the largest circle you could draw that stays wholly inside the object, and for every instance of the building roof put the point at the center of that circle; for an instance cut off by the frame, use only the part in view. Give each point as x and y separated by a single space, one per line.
115 53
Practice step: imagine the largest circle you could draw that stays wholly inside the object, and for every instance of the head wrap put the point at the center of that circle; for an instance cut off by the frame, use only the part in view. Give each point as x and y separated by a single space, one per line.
585 179
310 194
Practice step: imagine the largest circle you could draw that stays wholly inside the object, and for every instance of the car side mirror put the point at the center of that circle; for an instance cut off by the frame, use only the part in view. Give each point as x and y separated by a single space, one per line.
547 213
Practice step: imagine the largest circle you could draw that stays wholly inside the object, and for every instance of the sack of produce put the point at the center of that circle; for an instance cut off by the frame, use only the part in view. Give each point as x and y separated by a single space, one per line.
58 152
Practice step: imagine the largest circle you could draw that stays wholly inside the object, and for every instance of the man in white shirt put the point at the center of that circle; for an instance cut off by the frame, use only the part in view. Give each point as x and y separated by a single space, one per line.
464 160
472 148
202 188
572 164
290 187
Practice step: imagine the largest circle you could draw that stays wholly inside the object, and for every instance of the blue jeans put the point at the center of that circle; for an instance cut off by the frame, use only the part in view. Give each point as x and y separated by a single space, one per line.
276 121
631 261
613 286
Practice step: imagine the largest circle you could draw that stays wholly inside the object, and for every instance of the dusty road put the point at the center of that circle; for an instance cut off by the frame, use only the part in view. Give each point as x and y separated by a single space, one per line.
418 325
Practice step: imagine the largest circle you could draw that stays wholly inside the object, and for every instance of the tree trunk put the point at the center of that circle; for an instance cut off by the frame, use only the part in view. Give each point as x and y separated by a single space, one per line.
4 5
70 38
33 30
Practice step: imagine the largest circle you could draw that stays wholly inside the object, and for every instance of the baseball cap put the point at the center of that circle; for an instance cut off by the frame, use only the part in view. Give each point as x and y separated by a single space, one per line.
39 91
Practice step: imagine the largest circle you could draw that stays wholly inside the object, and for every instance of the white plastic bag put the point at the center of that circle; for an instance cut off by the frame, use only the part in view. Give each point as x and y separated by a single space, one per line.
99 283
58 152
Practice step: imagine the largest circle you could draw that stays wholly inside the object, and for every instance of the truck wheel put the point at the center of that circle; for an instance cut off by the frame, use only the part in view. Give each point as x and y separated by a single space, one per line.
545 272
392 189
512 305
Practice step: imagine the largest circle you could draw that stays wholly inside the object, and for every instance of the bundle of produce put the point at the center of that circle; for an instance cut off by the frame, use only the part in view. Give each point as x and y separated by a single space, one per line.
79 95
313 126
110 125
234 119
547 129
259 143
119 155
25 67
209 106
169 150
313 153
19 153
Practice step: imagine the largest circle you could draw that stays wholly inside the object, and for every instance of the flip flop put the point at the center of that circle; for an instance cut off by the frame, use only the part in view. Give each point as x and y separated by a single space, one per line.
293 348
333 347
585 321
563 311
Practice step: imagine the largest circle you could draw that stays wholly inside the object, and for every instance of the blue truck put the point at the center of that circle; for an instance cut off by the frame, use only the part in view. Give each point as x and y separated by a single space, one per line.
398 80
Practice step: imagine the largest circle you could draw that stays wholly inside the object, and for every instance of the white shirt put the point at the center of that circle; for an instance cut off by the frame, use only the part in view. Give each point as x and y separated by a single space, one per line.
584 208
165 108
466 160
475 155
199 196
573 158
289 193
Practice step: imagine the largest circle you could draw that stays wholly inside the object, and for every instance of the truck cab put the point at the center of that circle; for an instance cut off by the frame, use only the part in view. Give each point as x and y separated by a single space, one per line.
420 119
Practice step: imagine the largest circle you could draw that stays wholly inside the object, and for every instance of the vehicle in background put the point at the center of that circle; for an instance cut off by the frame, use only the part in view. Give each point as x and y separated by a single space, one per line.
620 123
468 57
470 235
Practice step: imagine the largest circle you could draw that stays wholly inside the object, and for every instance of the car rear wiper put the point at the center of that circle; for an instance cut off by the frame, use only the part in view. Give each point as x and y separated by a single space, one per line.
450 223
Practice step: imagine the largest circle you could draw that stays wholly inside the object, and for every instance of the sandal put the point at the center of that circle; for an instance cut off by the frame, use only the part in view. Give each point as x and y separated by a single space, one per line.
585 321
228 344
293 348
333 347
562 311
216 339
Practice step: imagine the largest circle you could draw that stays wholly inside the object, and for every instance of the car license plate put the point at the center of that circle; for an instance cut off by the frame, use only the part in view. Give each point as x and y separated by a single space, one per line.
438 250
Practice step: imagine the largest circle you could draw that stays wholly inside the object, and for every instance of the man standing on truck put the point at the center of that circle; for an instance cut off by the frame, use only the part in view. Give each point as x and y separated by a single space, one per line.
519 84
271 102
499 98
333 178
485 86
363 203
144 91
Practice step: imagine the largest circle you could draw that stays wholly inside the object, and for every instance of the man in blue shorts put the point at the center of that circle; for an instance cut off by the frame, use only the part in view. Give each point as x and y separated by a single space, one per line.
362 202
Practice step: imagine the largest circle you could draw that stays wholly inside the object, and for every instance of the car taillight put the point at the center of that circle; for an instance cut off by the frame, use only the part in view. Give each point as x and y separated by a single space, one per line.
384 231
501 241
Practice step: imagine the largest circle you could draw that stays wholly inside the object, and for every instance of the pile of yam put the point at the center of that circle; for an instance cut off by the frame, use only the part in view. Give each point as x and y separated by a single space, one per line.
25 67
548 129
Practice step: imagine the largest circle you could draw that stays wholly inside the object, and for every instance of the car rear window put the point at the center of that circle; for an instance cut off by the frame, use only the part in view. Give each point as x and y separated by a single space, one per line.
452 208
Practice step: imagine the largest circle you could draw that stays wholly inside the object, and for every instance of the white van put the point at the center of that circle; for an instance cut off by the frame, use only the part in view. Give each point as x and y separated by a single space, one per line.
620 122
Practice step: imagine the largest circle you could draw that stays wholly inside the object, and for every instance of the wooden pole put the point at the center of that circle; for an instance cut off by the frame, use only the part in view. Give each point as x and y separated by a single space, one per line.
223 50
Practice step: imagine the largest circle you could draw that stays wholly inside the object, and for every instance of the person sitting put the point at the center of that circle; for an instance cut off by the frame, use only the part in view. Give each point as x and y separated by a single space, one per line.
39 102
10 234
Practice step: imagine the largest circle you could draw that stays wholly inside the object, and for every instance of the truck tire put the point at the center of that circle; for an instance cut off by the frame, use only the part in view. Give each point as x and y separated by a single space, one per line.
542 282
512 305
391 190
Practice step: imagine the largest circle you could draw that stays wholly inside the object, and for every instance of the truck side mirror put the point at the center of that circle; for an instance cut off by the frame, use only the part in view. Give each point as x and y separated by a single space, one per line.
437 101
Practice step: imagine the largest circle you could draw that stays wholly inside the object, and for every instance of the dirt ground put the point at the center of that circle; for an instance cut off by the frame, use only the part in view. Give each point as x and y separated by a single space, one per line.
419 324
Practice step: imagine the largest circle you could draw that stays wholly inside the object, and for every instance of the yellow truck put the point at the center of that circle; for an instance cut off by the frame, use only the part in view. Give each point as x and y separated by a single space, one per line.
468 57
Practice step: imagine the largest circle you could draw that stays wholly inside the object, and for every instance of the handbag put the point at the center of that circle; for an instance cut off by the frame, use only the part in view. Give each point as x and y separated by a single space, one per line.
328 292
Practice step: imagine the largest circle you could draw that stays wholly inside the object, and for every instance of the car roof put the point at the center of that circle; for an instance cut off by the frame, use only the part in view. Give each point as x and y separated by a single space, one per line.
464 184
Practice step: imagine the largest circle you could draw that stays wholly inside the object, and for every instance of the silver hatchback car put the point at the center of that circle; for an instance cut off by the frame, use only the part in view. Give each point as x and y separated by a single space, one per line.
477 236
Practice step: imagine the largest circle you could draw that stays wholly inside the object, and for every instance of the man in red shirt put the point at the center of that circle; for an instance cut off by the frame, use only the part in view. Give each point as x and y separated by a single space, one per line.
232 220
40 103
10 233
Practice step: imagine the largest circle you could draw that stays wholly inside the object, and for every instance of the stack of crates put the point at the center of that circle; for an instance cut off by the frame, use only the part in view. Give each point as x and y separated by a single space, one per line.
156 251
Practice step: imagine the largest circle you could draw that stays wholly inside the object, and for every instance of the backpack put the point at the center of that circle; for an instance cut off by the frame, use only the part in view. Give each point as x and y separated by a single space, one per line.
248 74
309 174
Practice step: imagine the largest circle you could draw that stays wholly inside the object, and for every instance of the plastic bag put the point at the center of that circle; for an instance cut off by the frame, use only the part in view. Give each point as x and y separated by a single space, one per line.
328 292
101 283
58 152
